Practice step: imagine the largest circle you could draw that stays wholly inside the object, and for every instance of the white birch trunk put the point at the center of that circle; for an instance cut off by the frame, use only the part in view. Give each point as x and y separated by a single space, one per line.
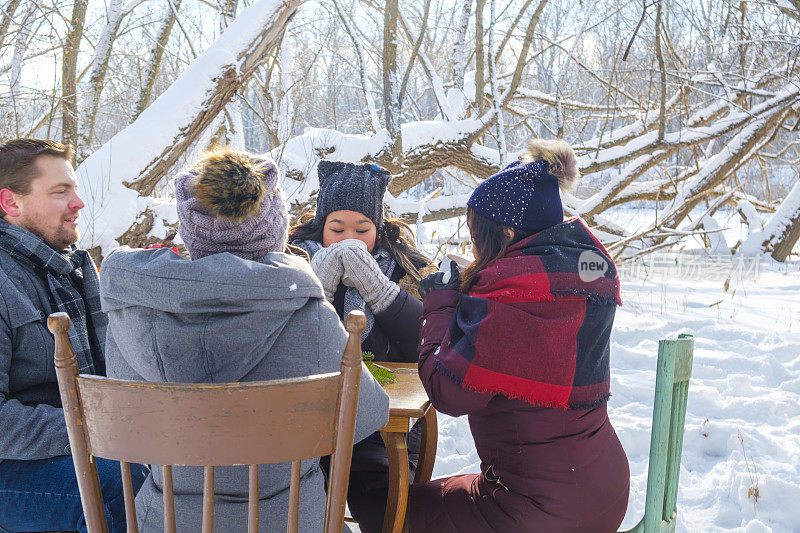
97 73
460 46
366 85
20 45
496 98
285 110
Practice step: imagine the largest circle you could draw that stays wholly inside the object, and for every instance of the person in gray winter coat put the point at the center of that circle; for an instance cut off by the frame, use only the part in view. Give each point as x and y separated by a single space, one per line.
239 310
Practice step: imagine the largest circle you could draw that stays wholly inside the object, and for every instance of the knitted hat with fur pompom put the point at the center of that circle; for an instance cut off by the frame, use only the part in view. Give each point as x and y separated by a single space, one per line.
525 194
231 202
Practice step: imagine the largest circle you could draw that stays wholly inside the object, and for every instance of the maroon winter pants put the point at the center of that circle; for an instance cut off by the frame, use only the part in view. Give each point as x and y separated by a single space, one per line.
472 503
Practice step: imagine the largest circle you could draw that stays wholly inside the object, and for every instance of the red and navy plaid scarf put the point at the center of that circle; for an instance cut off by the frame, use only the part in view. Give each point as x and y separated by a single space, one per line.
536 324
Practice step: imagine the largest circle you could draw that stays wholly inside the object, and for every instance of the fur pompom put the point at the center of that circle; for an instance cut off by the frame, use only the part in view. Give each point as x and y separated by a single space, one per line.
560 158
229 184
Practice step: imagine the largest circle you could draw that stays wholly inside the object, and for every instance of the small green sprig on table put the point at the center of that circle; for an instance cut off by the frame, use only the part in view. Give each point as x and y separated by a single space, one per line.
382 375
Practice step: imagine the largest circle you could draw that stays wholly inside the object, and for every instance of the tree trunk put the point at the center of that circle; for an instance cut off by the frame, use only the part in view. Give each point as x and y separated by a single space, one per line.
156 53
97 77
8 15
662 110
20 46
719 166
459 48
391 97
69 89
366 86
415 51
480 68
285 109
786 239
780 233
145 154
496 103
523 54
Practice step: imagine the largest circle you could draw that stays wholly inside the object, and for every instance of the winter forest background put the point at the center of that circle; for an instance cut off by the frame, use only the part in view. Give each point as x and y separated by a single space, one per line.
684 113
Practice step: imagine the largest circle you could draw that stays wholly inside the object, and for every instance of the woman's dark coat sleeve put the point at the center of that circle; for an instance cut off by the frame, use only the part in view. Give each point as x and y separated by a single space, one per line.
400 324
446 395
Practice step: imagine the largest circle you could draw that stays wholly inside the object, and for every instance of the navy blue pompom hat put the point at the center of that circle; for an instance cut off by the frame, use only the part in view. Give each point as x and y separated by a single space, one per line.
353 187
525 194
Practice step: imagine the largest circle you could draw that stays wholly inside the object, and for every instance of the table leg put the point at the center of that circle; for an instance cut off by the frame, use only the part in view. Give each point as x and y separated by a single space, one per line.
427 452
398 481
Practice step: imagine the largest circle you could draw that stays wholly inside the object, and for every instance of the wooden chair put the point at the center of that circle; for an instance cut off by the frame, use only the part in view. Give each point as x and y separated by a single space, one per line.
210 424
674 369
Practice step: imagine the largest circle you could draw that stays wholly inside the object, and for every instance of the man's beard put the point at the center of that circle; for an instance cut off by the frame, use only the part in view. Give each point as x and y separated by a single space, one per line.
59 240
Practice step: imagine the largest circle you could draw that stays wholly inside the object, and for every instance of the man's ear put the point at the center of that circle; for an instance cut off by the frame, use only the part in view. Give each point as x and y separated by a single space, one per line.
9 202
508 232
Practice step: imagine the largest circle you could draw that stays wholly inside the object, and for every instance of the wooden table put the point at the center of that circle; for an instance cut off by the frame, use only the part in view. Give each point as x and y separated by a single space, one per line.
407 400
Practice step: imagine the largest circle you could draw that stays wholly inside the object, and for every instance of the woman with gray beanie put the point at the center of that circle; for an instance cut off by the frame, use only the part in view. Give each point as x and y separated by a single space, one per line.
239 310
367 261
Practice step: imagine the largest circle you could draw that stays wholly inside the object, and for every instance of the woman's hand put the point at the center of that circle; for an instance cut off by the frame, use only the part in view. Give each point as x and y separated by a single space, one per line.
327 265
439 281
362 272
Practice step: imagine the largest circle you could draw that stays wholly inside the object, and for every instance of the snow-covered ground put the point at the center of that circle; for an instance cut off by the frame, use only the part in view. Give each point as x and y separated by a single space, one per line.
743 414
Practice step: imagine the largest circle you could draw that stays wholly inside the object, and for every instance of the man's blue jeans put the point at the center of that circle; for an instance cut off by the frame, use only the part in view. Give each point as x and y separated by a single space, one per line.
43 495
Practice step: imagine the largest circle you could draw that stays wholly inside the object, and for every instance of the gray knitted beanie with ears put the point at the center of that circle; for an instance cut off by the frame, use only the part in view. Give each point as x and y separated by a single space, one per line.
353 187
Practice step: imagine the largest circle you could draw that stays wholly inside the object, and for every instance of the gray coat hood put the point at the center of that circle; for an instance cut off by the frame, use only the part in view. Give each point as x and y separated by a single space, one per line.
223 319
174 306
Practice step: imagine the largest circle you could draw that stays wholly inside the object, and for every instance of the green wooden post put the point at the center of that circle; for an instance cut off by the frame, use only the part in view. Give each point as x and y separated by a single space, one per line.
674 369
659 438
683 372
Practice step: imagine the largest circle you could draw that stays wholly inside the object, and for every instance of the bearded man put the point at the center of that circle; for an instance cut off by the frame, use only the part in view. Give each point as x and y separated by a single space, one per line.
43 272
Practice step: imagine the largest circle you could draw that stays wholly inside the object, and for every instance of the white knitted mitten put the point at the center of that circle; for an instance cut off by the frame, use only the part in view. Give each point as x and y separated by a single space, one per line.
362 272
327 265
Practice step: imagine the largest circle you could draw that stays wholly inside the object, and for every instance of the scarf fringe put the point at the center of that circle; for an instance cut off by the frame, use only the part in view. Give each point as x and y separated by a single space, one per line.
446 372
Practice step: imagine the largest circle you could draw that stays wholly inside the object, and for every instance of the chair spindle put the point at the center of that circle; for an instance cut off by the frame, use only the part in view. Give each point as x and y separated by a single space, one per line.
169 501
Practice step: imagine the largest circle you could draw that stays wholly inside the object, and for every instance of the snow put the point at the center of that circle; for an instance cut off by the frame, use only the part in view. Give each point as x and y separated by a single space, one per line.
743 412
301 153
111 206
776 225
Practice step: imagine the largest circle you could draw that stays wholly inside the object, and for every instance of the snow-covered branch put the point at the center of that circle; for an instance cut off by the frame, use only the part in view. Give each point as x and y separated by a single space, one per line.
141 155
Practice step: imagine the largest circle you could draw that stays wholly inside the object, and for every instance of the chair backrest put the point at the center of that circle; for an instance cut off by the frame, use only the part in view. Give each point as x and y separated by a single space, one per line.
673 371
210 425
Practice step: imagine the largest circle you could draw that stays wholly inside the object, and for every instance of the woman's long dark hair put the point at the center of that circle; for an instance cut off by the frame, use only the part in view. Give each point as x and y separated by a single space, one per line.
490 241
395 237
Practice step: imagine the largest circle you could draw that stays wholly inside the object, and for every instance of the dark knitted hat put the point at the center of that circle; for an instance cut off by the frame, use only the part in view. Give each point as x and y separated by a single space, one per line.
352 187
231 202
525 194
